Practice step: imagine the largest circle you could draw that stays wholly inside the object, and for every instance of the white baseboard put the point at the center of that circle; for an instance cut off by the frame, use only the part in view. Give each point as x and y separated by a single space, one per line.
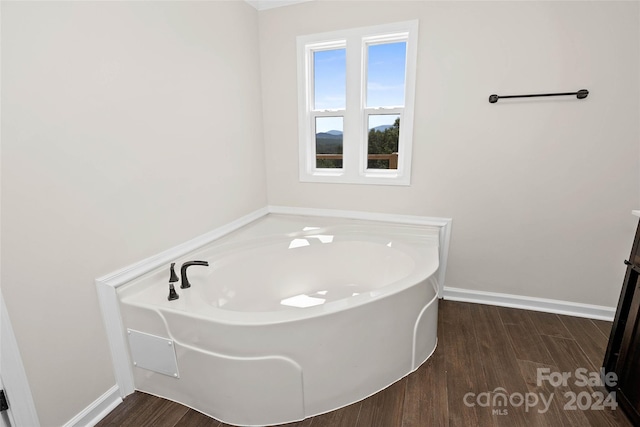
531 303
100 408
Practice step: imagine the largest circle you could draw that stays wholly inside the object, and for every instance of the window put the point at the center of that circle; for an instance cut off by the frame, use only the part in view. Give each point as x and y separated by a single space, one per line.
356 96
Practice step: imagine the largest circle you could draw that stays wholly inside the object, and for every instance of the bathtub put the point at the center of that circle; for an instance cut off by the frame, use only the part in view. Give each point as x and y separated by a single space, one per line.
294 316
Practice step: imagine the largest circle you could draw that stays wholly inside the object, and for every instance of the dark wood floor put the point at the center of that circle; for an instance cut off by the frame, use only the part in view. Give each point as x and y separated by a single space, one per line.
480 349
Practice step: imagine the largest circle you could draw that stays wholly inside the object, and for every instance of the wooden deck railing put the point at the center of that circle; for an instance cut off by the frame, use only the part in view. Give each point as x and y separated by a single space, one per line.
392 158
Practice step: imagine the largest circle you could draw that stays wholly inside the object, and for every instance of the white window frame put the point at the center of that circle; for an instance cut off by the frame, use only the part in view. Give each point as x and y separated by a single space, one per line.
356 114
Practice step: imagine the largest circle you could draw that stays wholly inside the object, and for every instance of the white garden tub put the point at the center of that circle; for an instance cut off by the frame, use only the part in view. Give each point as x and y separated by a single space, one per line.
295 316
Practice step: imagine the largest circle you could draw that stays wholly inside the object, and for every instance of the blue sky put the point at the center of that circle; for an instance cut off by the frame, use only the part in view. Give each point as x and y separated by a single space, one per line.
385 81
330 78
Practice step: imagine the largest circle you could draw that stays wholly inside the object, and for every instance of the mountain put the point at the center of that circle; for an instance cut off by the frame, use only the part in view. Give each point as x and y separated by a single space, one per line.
381 128
337 134
329 142
329 135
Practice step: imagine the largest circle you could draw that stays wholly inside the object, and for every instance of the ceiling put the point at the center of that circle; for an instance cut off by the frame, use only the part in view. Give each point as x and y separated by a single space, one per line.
270 4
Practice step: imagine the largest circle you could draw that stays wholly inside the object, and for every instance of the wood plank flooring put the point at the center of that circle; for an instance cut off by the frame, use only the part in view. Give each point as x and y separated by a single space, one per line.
481 349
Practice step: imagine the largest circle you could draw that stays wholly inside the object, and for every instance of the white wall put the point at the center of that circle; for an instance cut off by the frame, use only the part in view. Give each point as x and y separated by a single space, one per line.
127 128
130 127
540 192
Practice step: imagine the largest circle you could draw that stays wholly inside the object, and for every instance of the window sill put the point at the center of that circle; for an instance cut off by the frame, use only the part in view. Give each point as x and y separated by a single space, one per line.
369 178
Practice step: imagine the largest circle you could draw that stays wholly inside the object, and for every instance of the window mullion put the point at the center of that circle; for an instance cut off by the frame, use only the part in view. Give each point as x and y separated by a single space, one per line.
353 116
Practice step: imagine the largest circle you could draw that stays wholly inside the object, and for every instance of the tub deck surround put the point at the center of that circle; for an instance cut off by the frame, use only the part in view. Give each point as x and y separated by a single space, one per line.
270 272
295 316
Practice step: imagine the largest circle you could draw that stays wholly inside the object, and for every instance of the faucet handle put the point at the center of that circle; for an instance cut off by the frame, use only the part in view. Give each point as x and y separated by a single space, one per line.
174 276
172 293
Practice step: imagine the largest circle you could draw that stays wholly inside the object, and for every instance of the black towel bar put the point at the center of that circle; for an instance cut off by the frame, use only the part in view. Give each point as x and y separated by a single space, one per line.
581 94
